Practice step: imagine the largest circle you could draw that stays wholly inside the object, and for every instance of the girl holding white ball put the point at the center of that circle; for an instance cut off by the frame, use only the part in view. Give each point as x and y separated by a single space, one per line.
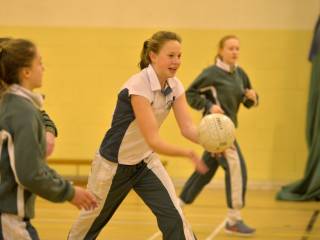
221 88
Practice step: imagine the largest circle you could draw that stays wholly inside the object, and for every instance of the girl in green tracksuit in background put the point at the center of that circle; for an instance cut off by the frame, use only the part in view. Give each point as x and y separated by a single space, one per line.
221 88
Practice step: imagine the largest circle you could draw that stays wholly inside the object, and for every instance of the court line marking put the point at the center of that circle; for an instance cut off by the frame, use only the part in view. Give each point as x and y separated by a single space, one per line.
154 236
216 231
309 227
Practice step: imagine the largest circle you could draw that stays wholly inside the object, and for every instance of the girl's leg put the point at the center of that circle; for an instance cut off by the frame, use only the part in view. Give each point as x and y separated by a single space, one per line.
235 177
236 185
157 191
110 188
197 181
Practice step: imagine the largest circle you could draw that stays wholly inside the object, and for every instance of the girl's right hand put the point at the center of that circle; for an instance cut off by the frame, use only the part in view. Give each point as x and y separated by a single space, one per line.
216 109
83 199
201 167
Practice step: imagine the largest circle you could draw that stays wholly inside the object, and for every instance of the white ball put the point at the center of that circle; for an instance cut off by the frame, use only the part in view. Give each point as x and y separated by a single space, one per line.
216 132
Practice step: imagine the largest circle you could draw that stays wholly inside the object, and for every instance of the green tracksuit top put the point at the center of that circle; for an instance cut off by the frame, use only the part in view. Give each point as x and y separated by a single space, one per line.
24 173
218 86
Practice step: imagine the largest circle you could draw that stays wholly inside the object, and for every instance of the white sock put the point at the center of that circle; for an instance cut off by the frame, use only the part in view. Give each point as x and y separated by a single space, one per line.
233 215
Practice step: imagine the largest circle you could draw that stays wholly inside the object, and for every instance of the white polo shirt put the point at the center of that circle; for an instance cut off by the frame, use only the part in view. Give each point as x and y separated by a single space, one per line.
123 142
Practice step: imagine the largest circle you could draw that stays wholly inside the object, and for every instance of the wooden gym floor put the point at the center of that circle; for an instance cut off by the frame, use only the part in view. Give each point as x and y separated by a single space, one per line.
274 220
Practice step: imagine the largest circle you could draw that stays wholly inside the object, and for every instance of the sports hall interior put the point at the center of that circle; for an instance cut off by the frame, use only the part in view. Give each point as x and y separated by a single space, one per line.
90 48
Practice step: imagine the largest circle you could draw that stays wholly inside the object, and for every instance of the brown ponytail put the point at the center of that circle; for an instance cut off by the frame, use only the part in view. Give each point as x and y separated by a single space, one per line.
145 60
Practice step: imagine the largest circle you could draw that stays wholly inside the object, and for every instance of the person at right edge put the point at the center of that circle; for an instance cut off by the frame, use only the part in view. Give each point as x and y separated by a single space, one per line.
221 88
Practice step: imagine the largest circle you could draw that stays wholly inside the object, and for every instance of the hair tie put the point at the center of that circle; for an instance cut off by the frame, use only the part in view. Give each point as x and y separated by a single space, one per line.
1 51
145 44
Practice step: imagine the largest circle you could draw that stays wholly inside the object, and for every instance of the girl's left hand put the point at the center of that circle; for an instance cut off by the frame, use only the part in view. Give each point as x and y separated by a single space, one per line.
50 138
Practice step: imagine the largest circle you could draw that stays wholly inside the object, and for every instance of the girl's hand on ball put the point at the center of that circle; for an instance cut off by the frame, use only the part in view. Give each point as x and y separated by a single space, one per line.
216 109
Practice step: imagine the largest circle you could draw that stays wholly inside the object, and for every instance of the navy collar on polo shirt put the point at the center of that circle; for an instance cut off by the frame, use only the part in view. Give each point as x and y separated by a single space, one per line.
155 83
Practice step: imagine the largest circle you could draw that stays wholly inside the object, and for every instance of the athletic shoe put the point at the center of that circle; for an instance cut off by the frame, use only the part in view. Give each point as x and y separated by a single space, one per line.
239 229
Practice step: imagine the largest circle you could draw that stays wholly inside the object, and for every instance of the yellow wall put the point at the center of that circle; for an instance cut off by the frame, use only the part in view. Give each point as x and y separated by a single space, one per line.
87 62
208 14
